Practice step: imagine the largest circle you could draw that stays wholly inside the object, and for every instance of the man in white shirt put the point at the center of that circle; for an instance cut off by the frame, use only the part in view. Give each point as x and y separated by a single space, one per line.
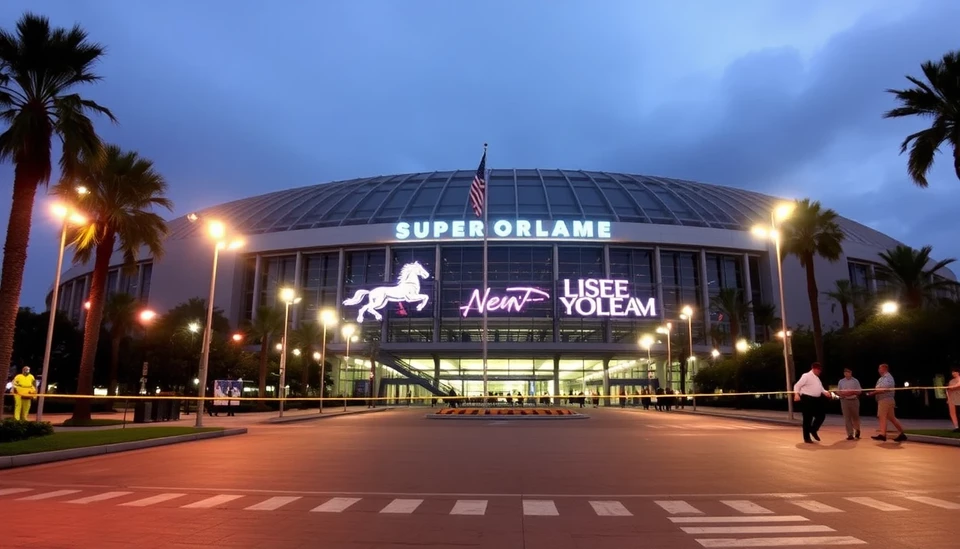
809 392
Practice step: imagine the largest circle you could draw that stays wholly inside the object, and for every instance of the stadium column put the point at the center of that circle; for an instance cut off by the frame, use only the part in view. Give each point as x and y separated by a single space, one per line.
257 265
658 280
387 266
556 278
606 381
748 297
297 267
341 270
556 379
608 324
704 299
873 280
436 371
437 307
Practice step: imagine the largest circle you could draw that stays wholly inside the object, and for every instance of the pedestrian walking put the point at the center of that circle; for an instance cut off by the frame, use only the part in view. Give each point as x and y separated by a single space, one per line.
953 397
811 395
24 389
849 390
884 393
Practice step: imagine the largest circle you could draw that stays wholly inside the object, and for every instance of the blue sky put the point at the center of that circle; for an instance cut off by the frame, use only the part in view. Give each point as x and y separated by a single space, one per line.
237 98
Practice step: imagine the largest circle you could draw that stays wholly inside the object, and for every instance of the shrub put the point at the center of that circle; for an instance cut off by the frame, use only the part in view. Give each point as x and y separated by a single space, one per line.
12 429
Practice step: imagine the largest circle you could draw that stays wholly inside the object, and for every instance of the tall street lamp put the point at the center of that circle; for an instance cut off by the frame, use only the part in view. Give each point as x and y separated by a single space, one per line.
348 330
779 214
665 329
146 317
217 231
328 318
646 341
687 314
67 215
289 297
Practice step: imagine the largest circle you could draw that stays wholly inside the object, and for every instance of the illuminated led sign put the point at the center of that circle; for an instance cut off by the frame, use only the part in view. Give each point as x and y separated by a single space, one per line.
583 297
407 290
504 229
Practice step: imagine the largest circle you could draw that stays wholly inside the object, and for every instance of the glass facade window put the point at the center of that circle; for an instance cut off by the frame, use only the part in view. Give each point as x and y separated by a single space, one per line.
859 275
680 274
576 263
128 281
275 273
725 272
145 288
113 277
363 269
249 274
636 266
405 323
318 284
79 298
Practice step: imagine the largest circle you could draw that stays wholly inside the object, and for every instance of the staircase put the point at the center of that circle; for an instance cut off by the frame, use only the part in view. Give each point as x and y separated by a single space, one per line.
436 387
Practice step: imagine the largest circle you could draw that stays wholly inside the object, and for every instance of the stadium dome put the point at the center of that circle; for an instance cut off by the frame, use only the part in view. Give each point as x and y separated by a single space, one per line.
544 194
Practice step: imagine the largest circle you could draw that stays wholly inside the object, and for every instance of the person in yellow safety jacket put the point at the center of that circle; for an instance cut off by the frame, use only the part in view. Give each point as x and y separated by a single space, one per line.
24 389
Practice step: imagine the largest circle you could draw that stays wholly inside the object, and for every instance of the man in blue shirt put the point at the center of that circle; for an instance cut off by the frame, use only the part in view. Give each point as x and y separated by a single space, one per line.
885 405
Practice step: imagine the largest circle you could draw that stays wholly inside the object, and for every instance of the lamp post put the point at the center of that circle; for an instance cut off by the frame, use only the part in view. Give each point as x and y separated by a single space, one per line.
146 317
665 329
687 314
289 297
646 341
779 214
217 231
328 317
66 215
348 330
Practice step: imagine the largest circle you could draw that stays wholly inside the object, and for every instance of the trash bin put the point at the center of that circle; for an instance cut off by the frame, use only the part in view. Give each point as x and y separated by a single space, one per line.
143 412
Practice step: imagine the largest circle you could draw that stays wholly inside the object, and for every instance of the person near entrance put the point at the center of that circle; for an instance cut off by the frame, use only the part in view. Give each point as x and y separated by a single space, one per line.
885 405
849 390
24 389
811 395
953 397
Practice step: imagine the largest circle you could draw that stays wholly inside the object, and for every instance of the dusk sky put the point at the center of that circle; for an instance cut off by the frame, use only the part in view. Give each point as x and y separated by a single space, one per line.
237 98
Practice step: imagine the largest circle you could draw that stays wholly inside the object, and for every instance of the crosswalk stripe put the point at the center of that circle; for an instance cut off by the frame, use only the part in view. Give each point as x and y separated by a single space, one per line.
610 509
402 506
804 529
539 508
211 501
747 507
942 503
334 505
780 542
876 504
99 497
469 507
11 491
678 507
159 498
815 506
738 519
272 504
48 495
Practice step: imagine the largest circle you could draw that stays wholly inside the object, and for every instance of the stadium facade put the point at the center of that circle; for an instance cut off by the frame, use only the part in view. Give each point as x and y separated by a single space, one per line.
581 264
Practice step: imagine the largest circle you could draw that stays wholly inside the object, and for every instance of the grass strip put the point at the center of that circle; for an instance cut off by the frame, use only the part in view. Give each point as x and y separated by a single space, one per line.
83 439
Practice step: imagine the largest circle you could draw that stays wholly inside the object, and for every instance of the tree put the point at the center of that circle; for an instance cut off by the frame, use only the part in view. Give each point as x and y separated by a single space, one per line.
765 318
120 312
938 99
39 68
124 189
811 232
729 303
909 275
844 295
306 337
269 320
30 341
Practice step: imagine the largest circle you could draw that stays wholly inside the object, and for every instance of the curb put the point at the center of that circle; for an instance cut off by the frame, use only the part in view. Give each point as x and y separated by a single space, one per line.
310 417
9 462
506 418
745 417
929 439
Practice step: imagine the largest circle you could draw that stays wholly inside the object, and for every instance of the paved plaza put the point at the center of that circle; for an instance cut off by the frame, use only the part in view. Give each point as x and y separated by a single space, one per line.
623 478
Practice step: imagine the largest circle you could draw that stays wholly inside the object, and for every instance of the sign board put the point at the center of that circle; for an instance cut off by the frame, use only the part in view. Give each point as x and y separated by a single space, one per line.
579 297
225 389
407 293
504 229
145 368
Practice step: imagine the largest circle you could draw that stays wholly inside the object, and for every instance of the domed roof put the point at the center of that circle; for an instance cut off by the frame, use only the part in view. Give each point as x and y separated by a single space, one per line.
539 194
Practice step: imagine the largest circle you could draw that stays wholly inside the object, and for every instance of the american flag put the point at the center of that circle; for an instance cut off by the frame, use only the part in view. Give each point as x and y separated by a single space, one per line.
479 186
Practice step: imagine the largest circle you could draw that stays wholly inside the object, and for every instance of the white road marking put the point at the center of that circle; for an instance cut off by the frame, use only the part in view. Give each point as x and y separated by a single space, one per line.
469 507
815 506
402 506
48 495
273 503
678 507
736 519
159 498
805 529
876 504
780 542
610 509
10 491
335 505
539 508
942 503
211 501
99 497
747 507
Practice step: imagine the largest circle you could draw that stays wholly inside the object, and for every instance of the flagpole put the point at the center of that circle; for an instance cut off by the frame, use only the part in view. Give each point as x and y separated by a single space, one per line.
483 335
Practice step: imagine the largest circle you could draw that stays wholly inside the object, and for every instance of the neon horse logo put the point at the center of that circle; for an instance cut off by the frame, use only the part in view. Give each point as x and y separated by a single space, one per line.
407 290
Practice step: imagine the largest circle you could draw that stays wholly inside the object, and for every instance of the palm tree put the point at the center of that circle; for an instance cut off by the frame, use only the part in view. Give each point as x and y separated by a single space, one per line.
269 321
729 302
937 98
845 295
39 68
765 318
812 231
908 273
123 190
120 312
306 337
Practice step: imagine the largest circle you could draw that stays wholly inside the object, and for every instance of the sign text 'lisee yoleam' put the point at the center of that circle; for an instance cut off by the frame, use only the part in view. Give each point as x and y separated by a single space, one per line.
508 229
583 297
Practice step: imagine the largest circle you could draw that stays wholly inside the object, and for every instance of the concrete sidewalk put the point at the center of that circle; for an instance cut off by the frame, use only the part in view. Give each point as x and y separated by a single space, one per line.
868 423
